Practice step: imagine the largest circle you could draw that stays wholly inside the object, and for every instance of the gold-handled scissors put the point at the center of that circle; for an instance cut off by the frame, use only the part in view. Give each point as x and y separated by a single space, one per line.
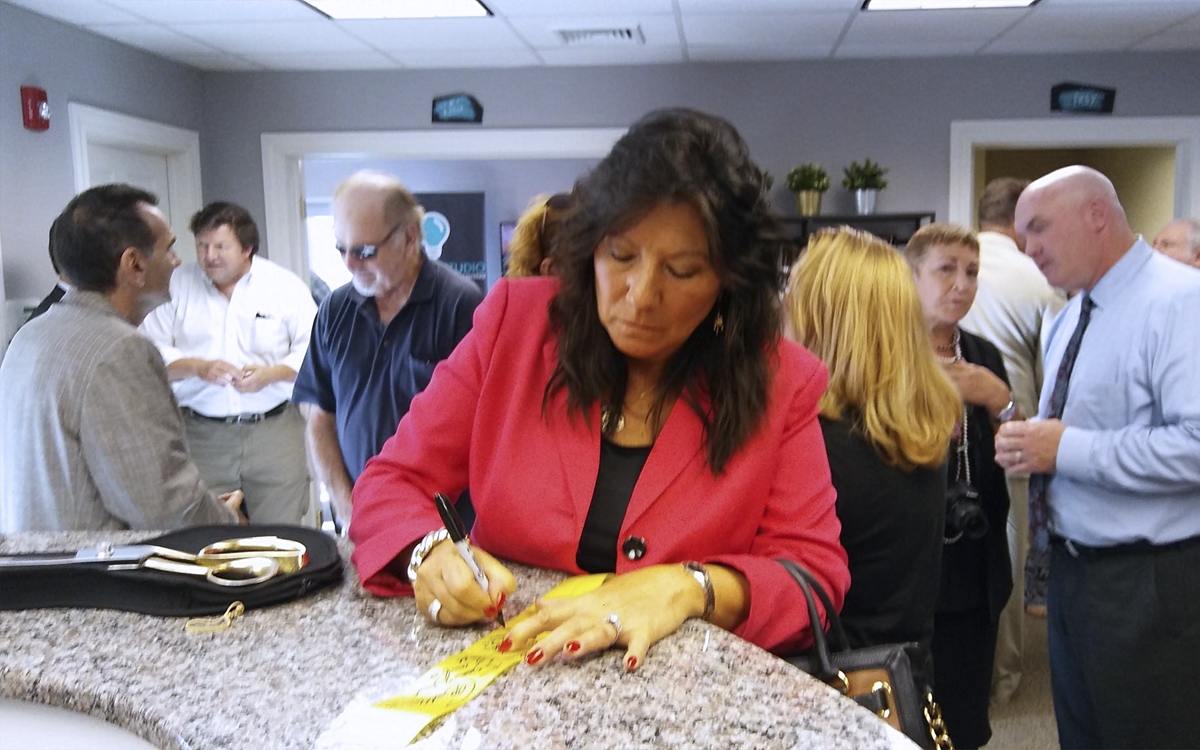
231 562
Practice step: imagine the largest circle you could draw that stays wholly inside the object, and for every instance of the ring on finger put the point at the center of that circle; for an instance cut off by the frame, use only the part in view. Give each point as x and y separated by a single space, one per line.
615 621
435 609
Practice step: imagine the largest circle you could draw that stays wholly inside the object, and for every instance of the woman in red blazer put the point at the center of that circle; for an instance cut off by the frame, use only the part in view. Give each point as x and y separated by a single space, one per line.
638 415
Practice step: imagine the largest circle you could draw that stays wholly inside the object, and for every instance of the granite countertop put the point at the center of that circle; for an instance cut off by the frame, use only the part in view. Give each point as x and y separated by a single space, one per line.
280 676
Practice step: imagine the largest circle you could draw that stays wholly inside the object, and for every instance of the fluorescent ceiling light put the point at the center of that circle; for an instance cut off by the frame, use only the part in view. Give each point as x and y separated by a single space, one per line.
943 4
358 9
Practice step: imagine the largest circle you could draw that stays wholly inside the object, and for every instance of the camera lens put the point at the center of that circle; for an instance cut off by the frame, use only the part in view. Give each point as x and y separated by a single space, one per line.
964 512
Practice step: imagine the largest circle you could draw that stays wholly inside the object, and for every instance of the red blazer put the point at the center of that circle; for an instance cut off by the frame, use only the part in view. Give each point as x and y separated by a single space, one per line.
480 423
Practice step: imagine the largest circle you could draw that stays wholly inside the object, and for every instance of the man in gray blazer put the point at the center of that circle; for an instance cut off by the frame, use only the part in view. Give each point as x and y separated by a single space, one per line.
90 434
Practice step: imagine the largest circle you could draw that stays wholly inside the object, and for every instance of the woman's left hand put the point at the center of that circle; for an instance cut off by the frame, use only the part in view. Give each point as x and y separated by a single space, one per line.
979 386
649 604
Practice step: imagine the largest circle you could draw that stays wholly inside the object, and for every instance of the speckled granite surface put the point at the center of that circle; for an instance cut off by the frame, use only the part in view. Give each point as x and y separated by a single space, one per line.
280 676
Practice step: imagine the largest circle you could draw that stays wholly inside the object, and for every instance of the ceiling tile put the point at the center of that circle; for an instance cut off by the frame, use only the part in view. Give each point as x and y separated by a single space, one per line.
230 11
1099 22
217 62
280 37
157 39
906 49
729 53
479 58
659 30
891 28
77 12
370 60
435 34
754 6
1064 46
763 29
611 56
517 8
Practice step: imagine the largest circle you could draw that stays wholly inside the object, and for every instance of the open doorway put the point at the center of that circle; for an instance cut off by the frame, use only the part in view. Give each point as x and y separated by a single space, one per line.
1114 142
1144 176
285 154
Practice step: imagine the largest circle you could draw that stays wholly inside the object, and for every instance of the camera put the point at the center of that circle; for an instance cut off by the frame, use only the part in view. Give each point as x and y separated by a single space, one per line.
964 511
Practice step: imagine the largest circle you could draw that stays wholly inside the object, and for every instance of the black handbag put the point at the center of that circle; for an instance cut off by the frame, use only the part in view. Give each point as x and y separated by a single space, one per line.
879 678
155 592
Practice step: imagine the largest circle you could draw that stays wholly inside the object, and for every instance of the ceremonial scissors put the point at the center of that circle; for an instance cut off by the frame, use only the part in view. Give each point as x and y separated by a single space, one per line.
231 562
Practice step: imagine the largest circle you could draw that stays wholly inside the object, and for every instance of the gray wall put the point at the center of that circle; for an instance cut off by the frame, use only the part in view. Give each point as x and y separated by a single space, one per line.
508 186
897 112
72 65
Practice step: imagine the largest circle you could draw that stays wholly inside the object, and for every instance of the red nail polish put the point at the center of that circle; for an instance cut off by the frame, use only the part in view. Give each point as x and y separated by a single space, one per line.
505 646
630 662
501 600
490 612
534 657
572 647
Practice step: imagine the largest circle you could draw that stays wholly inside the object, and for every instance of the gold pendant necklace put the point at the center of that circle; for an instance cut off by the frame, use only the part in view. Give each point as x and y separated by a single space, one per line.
605 415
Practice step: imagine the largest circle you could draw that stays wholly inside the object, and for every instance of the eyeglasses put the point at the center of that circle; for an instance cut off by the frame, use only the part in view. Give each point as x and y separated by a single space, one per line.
366 252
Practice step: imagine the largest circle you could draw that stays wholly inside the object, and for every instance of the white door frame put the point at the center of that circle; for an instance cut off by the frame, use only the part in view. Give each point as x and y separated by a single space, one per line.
283 155
1180 133
181 147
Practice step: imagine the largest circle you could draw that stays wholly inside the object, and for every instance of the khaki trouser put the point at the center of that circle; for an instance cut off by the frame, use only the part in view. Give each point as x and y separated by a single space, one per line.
265 460
1006 674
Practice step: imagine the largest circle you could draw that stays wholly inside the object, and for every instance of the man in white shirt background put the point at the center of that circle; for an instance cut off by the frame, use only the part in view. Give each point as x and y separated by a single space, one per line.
233 337
1013 306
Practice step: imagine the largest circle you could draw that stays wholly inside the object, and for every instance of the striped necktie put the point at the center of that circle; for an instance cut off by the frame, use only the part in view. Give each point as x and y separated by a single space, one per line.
1039 512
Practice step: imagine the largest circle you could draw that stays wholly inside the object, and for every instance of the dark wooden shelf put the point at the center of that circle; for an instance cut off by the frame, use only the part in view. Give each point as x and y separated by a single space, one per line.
893 228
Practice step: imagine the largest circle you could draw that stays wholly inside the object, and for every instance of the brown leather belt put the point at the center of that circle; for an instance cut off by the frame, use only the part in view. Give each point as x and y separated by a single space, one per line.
238 418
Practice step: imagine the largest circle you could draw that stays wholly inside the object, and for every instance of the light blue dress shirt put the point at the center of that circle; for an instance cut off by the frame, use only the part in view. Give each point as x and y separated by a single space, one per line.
1129 461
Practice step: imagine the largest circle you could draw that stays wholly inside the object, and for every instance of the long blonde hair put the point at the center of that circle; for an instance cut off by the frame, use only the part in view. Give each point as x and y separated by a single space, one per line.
851 301
537 230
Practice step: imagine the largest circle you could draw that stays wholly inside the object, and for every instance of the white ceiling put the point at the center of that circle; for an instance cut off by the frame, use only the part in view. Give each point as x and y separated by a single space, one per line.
289 35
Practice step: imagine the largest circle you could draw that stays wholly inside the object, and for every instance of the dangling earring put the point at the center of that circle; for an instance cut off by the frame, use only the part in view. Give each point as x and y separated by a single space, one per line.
718 324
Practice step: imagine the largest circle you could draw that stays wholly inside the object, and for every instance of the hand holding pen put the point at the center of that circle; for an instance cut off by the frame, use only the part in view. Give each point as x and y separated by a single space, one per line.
459 590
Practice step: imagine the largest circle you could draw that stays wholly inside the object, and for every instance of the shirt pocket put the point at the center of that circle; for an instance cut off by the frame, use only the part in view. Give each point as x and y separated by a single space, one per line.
269 339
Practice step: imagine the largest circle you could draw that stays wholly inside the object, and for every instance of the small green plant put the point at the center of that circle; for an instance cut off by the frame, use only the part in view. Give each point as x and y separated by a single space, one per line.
808 177
865 176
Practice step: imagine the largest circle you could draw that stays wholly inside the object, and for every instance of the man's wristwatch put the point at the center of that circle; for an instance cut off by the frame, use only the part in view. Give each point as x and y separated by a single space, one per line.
422 549
700 573
1009 411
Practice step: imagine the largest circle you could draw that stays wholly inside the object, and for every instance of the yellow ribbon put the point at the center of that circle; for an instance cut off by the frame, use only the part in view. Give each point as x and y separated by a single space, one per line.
457 679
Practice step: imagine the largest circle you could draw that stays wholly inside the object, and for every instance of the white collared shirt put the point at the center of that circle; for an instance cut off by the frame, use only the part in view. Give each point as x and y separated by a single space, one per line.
266 321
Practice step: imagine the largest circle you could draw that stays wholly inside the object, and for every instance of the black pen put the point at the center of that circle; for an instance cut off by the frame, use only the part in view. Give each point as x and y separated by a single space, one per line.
458 535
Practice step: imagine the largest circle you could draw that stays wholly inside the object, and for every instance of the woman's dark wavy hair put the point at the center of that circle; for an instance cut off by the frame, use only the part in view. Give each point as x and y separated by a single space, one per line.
684 156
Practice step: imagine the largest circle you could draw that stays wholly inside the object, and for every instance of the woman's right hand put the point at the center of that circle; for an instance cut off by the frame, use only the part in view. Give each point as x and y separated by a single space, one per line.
979 386
445 577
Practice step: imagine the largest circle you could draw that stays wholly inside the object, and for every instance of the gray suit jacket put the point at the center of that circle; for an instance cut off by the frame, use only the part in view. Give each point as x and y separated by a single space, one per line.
90 435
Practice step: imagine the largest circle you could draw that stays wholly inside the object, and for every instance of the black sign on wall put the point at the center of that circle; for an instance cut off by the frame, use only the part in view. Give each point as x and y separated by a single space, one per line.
453 232
1081 98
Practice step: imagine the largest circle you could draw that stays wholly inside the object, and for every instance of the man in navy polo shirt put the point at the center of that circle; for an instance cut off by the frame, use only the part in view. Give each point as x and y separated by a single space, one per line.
377 339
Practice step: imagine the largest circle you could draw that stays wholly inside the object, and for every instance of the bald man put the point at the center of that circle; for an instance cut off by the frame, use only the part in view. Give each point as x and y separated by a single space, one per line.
1123 468
377 339
1180 240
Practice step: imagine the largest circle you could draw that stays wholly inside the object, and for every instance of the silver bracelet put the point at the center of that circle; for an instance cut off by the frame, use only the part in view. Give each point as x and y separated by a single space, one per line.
700 573
422 549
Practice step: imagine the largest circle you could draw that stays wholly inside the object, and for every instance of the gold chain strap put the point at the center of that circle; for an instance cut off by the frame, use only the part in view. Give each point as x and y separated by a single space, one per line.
937 726
217 624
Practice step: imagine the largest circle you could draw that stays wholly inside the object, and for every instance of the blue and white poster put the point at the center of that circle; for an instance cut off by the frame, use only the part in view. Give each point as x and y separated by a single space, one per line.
453 232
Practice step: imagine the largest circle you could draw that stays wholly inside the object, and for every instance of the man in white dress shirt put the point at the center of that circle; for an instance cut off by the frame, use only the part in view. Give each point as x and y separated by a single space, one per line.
1012 307
233 336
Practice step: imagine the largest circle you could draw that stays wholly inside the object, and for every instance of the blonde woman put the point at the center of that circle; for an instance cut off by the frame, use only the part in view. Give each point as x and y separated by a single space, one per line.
887 419
532 244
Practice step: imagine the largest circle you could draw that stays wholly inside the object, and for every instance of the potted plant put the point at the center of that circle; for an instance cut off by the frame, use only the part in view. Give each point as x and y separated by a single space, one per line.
866 180
808 182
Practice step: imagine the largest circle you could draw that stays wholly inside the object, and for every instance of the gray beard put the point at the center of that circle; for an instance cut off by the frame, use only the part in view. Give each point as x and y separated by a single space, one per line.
366 291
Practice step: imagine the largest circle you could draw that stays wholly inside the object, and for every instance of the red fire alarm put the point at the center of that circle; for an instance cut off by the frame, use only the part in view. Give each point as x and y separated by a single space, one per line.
35 110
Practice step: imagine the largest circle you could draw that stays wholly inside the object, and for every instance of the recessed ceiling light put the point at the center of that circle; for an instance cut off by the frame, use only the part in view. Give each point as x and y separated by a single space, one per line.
359 9
943 4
